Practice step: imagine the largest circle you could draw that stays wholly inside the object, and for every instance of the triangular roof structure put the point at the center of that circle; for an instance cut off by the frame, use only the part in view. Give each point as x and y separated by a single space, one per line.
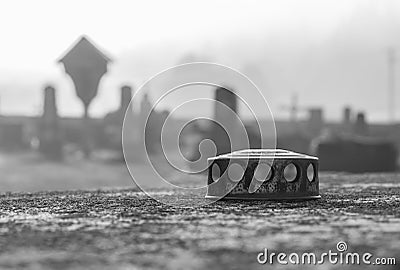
84 44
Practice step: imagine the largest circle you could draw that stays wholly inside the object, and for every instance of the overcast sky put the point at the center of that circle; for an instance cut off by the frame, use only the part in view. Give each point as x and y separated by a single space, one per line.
331 53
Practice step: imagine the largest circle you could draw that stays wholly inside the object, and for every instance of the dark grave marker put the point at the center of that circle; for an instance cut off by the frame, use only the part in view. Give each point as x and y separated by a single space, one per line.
113 121
86 65
126 96
50 136
224 119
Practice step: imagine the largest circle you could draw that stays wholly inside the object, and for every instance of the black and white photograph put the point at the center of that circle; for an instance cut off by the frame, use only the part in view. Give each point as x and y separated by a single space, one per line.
214 134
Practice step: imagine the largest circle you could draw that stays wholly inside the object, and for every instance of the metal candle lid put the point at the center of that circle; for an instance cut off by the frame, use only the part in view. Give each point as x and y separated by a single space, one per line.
269 174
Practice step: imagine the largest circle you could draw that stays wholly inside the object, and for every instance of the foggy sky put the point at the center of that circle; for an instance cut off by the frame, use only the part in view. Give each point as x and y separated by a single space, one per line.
331 53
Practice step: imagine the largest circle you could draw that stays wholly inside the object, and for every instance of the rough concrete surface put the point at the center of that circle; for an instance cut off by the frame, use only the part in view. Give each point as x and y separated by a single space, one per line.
125 229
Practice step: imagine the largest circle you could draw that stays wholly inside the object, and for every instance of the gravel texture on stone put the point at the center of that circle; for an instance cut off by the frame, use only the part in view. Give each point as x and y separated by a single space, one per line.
125 229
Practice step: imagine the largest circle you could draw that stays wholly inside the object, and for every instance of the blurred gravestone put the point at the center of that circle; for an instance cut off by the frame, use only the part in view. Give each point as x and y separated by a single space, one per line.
50 136
147 118
114 120
152 122
361 125
126 96
224 116
315 121
347 120
86 65
347 116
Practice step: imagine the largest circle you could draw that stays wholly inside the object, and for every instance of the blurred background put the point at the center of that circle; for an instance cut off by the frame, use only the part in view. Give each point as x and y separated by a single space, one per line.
68 69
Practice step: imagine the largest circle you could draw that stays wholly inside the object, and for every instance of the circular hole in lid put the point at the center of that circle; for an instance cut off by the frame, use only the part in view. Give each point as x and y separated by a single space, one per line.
235 172
310 172
290 172
215 172
263 172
